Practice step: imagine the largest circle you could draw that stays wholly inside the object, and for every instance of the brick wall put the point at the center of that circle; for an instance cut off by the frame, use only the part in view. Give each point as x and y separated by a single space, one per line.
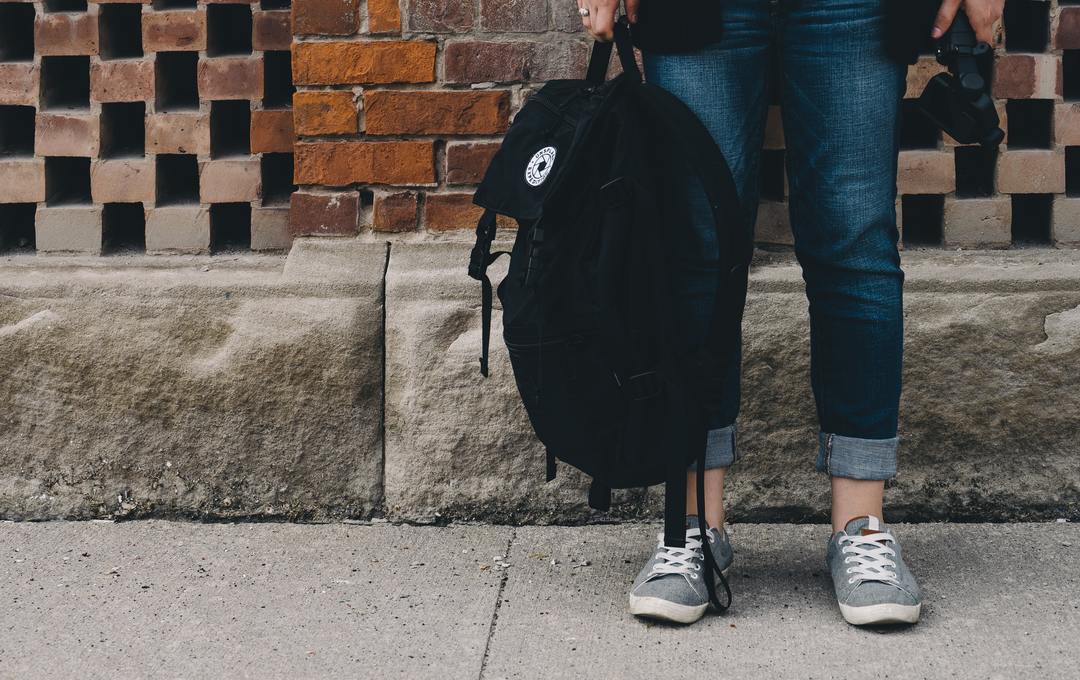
161 126
400 106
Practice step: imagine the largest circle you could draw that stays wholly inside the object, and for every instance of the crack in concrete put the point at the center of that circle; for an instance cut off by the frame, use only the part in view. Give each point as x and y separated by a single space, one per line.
498 604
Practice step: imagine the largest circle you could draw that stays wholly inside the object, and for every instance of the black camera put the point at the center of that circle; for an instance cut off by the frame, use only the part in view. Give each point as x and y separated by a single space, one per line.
959 101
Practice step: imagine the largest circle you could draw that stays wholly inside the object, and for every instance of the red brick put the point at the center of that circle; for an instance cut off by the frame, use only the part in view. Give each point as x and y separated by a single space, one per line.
325 17
436 112
19 84
231 78
977 222
67 134
395 212
325 113
474 62
1068 29
343 163
466 162
384 16
230 180
926 172
174 31
1067 124
66 33
1025 76
271 30
312 214
186 133
522 16
443 212
22 181
122 80
1031 171
68 229
441 16
346 63
919 74
272 131
122 180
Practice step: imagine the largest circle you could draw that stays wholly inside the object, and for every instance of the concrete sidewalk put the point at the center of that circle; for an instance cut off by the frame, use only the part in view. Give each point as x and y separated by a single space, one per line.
158 599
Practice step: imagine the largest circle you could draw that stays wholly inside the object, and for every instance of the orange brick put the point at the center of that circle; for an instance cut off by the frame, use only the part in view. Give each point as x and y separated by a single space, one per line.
272 131
343 163
384 16
443 212
395 212
434 112
324 113
383 61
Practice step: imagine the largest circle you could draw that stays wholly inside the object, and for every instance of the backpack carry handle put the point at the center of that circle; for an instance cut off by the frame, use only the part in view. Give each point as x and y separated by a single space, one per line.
601 54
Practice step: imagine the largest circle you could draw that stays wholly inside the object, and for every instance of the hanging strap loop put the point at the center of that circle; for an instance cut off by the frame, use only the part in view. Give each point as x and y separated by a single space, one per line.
479 261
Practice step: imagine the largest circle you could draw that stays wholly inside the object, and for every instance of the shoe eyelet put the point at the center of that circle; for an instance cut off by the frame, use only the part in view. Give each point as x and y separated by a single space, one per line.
849 570
693 576
851 580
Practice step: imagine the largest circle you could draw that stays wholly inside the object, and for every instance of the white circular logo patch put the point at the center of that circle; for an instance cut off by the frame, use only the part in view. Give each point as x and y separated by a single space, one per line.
540 166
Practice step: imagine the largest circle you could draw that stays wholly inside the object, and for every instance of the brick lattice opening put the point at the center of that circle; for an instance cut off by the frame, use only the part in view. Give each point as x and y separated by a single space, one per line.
1027 25
67 181
1031 215
64 5
277 178
16 131
277 80
177 81
120 31
1030 123
916 130
1070 75
174 4
16 31
772 174
177 179
122 130
230 129
975 171
65 82
230 227
1072 171
123 228
228 29
275 4
17 227
923 217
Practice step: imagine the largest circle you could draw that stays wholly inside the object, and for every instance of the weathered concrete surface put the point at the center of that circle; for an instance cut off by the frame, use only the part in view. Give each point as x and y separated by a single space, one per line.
154 599
1000 602
458 444
990 413
197 386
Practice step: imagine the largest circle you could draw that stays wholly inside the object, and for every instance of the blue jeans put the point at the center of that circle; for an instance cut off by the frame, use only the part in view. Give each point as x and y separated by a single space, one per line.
840 98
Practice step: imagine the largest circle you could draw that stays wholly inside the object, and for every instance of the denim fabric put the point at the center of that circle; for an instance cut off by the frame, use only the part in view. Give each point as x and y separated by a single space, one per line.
840 97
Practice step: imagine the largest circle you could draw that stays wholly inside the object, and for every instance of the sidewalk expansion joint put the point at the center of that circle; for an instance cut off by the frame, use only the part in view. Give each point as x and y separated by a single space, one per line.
498 603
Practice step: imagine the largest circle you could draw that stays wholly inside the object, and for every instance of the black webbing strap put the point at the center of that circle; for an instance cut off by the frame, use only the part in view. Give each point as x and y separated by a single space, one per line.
479 260
599 496
601 54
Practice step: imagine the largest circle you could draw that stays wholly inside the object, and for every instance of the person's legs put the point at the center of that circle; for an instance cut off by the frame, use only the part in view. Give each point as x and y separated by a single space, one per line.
841 100
724 84
841 96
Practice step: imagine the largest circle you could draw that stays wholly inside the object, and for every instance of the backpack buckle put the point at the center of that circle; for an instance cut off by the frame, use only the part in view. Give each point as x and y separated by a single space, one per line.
478 261
643 386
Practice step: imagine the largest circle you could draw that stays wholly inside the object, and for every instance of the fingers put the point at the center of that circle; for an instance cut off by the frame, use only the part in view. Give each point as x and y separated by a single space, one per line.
946 14
603 24
631 10
984 15
586 20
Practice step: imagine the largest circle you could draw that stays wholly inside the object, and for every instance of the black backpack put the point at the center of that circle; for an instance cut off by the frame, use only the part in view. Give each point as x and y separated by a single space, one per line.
596 174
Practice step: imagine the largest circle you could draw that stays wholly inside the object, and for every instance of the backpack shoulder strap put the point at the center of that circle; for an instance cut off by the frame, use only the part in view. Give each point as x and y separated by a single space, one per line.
479 261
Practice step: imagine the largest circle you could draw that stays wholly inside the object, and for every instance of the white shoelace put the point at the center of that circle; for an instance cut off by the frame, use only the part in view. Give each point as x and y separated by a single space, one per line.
870 555
684 561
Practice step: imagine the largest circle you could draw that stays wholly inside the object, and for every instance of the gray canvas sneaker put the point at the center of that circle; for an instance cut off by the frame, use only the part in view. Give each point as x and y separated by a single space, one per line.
872 583
671 587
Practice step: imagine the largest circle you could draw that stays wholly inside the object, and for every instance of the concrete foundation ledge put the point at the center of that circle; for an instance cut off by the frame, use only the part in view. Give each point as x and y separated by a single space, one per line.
990 416
342 382
247 386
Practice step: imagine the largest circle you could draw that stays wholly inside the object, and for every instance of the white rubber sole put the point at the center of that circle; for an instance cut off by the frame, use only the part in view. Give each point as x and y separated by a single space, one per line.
880 614
656 608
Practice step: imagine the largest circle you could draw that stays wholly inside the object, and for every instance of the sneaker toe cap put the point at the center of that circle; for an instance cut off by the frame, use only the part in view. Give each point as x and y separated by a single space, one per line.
874 592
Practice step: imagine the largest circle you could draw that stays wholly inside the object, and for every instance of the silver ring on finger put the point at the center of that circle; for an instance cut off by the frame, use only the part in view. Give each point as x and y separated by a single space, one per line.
583 11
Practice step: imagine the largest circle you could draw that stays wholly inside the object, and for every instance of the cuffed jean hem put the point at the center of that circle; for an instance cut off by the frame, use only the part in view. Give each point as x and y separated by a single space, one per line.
720 449
855 458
